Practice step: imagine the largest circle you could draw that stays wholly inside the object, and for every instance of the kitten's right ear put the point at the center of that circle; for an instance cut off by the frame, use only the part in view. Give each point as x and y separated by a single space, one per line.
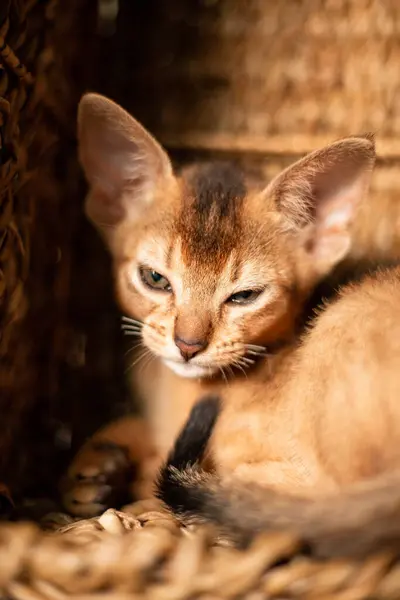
122 162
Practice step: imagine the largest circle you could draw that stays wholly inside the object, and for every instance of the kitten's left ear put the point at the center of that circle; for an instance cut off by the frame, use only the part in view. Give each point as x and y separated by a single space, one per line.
123 163
320 194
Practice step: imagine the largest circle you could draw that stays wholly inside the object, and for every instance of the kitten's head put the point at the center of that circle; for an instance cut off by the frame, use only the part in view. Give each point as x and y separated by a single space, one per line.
215 269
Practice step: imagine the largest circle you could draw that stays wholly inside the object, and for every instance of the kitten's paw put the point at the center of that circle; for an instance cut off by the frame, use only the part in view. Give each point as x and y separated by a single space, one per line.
100 477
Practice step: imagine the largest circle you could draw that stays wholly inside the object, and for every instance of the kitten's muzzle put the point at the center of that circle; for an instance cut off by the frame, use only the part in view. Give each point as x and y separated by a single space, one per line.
189 348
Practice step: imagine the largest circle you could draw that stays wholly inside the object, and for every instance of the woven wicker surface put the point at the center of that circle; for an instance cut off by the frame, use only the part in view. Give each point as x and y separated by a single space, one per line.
50 355
143 554
21 39
277 75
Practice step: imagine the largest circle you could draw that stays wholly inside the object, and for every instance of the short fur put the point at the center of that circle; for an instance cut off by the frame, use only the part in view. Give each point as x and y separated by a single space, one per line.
356 463
209 221
211 232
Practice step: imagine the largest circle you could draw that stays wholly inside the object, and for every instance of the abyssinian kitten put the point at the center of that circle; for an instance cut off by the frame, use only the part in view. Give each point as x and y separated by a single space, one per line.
212 270
317 452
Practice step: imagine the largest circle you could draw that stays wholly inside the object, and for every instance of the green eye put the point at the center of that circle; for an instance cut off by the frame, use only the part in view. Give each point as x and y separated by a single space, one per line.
154 280
244 297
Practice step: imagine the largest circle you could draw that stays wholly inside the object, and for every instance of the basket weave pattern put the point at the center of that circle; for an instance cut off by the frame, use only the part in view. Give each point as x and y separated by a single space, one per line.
21 38
41 195
255 70
142 553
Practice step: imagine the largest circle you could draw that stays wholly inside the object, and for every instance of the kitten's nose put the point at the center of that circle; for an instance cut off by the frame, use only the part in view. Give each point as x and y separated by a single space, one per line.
189 348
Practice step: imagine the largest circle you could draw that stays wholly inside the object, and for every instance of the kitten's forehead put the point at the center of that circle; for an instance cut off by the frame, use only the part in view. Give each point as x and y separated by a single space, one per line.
199 278
210 221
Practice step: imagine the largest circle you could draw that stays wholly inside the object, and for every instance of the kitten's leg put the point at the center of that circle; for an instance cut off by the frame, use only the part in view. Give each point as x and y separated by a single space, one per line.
115 465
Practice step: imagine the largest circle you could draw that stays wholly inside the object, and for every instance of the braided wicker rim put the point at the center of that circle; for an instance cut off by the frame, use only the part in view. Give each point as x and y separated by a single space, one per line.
143 553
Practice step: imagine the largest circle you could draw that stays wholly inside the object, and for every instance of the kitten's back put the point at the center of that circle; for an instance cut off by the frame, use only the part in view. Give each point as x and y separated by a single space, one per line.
348 373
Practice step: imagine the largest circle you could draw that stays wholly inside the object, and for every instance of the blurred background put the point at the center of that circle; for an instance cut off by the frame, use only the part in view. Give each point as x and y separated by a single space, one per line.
262 82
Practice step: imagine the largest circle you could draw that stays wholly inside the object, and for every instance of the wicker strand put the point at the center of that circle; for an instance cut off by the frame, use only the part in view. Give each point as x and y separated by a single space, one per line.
12 61
148 556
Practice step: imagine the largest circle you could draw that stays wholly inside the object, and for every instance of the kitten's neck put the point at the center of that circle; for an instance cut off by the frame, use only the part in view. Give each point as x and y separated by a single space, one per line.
347 272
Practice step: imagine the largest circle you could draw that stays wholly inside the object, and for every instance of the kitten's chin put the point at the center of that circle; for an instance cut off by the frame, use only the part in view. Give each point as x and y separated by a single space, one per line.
188 370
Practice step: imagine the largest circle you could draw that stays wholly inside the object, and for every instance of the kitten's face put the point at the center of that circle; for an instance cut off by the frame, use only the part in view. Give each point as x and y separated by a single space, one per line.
210 271
213 279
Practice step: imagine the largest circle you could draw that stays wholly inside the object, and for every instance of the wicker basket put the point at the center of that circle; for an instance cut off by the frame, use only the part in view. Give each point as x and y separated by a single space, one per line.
263 81
136 554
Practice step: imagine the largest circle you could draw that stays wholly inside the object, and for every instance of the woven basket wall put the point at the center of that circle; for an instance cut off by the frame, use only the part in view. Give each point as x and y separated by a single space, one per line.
21 38
260 80
272 76
57 359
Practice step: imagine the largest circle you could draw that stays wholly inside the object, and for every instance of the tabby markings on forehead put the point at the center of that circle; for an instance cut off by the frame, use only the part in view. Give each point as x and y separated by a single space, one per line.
209 223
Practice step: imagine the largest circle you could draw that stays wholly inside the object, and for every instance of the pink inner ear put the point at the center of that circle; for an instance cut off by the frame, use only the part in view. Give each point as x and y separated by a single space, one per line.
338 195
326 185
336 211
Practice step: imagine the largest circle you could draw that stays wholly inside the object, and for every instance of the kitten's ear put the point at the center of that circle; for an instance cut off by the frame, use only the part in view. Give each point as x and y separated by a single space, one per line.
122 162
320 194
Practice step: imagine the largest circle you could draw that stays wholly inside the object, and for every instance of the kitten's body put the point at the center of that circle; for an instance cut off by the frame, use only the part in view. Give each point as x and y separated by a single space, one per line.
331 415
320 453
154 382
214 269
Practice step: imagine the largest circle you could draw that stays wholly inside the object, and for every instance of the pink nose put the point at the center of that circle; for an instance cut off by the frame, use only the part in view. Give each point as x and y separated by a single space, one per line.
189 348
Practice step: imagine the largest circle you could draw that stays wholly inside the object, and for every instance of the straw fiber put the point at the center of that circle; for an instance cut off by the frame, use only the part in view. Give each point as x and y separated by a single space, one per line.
21 33
143 554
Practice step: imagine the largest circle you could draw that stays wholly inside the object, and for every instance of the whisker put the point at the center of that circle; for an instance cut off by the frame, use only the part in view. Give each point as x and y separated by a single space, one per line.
143 354
221 370
240 366
131 329
230 370
255 347
246 361
134 347
139 358
146 362
257 352
130 320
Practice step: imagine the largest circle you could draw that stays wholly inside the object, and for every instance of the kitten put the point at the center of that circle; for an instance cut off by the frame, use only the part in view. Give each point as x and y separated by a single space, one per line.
212 269
331 427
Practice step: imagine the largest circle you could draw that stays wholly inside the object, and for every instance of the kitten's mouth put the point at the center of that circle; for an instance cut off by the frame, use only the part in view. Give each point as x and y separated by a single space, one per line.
240 364
196 371
189 370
